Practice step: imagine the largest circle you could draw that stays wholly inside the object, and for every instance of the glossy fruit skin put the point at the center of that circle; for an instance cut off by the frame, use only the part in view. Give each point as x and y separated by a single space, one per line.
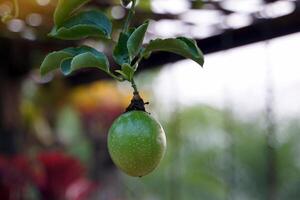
136 143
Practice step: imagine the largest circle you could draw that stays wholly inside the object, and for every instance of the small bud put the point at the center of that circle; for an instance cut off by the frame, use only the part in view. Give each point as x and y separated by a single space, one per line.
125 3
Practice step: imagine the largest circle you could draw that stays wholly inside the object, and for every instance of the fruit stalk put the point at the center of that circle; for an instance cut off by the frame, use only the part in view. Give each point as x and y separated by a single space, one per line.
133 85
137 103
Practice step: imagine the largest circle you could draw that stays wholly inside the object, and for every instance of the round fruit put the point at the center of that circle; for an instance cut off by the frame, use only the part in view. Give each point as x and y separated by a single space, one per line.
136 143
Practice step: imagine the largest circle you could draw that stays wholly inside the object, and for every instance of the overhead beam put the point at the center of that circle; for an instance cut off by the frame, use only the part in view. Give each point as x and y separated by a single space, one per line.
262 30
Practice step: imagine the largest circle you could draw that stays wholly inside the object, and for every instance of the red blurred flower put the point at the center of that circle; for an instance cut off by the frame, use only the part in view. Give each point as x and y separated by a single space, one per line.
15 175
56 175
65 178
80 189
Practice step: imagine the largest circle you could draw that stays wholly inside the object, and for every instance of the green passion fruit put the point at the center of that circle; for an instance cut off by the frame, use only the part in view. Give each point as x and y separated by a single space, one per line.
136 143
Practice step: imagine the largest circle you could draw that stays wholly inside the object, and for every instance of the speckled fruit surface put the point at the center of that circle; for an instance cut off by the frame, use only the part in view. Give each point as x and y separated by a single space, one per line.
136 143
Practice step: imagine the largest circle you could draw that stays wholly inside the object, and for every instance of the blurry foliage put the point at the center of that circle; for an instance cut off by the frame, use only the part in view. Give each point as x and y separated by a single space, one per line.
211 154
71 117
207 161
69 130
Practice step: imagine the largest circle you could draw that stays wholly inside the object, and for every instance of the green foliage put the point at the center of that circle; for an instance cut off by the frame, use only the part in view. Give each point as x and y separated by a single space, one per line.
206 160
53 60
126 72
84 24
65 8
127 53
120 53
71 59
182 46
128 47
135 41
70 133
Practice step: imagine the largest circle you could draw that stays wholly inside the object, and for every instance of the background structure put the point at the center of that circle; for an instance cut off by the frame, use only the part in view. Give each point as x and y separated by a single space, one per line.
232 127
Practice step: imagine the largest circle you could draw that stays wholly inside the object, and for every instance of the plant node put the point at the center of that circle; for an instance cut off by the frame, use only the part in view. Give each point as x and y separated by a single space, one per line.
137 103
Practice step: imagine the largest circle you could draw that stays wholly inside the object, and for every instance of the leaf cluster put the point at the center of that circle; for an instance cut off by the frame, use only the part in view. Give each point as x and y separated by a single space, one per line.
73 23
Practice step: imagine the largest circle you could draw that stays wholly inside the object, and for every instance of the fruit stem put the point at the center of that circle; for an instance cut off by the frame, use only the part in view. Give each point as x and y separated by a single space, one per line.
133 85
137 103
129 17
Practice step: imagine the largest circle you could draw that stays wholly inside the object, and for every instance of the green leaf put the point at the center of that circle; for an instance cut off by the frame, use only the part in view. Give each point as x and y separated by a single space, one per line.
135 41
128 70
122 74
72 59
65 8
53 60
182 46
65 65
120 53
89 59
87 23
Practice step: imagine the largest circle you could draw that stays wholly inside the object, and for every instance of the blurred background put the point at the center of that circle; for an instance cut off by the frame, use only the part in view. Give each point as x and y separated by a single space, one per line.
233 127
